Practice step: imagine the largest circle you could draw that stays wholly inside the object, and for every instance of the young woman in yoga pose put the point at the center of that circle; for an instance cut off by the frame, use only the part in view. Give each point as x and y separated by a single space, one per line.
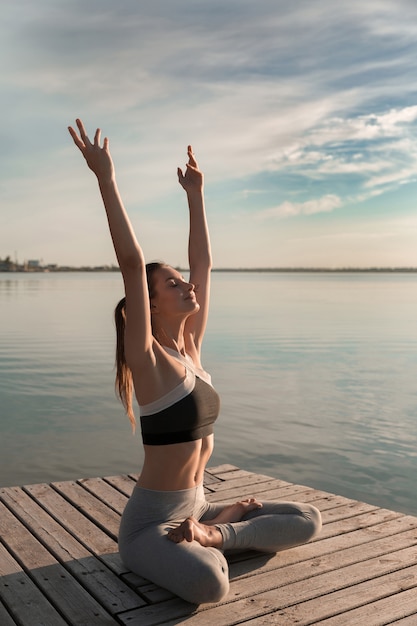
169 534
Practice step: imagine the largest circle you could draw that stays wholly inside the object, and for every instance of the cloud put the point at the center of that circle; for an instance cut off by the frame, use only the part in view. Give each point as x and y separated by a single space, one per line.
374 150
399 176
370 127
326 204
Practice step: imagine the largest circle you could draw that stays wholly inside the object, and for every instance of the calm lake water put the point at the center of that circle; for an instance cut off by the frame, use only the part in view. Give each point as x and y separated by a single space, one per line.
317 374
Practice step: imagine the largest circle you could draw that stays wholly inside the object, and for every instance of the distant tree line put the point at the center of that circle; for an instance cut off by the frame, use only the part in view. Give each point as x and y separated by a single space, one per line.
6 263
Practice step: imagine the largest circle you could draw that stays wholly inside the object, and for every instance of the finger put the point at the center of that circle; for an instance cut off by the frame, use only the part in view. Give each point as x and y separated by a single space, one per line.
106 143
97 137
180 174
81 127
191 157
75 138
83 134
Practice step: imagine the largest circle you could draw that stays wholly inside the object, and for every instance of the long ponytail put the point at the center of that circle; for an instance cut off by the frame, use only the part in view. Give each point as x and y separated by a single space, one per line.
124 382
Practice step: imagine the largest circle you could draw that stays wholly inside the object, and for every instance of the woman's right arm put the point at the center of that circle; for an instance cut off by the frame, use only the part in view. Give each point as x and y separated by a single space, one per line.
128 251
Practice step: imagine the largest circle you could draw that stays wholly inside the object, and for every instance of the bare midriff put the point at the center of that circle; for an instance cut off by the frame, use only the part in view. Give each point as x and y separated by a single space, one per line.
175 466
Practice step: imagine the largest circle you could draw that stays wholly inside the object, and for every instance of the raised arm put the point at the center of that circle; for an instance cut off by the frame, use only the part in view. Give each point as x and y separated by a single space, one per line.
128 251
199 249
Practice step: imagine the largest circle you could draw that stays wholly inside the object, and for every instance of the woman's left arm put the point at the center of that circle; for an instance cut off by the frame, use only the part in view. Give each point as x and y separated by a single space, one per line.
199 249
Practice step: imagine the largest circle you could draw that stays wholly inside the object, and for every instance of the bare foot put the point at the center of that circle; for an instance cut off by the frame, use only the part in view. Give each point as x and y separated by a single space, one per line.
192 530
235 512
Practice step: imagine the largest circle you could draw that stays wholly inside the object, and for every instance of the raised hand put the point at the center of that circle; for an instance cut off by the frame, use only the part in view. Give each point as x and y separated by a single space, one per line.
98 158
193 179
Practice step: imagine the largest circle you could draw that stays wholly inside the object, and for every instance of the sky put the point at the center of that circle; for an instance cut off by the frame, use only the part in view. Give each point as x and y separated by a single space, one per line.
302 115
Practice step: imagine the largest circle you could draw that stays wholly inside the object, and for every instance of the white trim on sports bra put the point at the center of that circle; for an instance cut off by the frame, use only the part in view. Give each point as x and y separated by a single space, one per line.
189 364
183 389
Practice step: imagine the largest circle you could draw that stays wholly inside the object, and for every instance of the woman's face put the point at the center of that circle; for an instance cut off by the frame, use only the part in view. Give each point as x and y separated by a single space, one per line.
172 294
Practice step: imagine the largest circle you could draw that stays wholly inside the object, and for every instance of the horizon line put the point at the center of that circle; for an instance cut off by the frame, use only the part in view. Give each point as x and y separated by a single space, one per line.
114 268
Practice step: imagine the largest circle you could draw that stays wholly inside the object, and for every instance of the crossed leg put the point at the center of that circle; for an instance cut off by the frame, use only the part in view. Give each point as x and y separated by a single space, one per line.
206 533
249 524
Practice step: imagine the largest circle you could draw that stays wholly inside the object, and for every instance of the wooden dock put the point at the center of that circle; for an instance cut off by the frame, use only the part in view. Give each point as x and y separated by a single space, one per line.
59 563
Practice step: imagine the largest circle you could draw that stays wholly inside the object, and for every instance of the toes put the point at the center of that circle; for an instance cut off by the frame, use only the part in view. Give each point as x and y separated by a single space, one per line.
174 536
188 529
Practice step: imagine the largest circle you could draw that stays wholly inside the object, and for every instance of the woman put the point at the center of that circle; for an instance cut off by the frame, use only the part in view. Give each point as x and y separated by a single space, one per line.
169 534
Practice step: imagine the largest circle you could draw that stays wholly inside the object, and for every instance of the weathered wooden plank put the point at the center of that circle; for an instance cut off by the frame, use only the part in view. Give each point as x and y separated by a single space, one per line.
275 490
5 617
237 472
123 483
402 606
353 509
88 533
209 479
174 611
155 594
333 529
268 490
93 508
23 599
326 503
134 581
411 620
245 481
57 584
322 500
105 492
340 605
92 574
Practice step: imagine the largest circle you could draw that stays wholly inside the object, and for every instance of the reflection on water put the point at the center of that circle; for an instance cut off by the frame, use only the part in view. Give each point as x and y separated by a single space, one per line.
316 373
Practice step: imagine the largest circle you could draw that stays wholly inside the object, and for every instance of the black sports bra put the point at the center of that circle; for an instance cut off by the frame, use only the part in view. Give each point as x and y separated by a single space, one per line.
186 413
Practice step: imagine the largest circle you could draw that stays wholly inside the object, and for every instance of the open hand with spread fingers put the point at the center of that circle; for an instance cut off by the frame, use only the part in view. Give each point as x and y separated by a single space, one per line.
98 158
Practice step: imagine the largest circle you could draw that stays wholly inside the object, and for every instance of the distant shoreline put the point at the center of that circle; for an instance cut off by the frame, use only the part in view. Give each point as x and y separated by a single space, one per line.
318 269
64 269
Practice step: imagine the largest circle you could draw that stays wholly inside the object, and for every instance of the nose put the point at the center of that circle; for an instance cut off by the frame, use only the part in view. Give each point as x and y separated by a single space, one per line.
190 287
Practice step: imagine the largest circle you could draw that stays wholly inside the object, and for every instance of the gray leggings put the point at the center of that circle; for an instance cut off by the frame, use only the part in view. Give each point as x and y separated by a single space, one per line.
189 570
